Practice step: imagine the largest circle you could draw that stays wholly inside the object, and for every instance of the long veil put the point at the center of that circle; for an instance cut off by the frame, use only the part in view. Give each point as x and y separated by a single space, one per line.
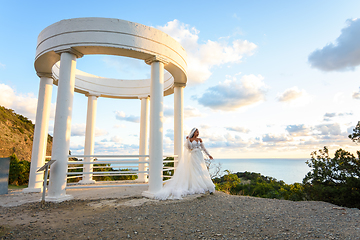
178 186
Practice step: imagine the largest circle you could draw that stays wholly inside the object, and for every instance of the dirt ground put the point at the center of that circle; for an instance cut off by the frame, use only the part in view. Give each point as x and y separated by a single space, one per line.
217 216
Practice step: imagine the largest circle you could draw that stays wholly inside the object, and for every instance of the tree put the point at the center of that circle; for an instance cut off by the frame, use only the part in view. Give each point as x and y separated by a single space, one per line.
355 136
335 180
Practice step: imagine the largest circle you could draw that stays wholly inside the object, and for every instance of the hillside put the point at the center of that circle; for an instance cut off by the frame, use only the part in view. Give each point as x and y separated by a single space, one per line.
16 135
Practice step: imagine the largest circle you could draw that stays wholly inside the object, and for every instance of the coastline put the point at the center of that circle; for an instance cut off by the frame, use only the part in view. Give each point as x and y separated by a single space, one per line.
289 170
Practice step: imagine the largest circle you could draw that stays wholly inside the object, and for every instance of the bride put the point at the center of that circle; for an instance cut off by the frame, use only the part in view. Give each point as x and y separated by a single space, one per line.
191 175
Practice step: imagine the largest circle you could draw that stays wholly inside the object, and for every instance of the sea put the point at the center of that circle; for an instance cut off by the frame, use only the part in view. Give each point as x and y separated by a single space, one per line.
290 170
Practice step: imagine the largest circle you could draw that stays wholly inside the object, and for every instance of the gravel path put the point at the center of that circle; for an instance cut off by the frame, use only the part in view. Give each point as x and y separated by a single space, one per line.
217 216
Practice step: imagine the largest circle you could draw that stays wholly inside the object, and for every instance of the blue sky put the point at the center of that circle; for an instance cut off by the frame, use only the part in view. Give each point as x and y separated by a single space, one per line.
284 74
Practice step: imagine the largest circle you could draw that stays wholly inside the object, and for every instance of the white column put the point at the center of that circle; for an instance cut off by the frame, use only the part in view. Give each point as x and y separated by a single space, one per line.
62 127
178 120
40 133
89 137
143 144
156 125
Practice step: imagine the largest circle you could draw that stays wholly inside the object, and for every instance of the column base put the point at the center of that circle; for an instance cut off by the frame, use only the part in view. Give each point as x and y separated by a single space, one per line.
83 182
32 190
148 194
141 180
58 198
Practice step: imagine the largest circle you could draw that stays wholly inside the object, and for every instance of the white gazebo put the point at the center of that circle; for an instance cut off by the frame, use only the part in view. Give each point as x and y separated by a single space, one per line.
58 48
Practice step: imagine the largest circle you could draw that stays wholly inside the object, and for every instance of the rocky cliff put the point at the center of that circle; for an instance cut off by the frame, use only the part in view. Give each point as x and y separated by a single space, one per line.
16 135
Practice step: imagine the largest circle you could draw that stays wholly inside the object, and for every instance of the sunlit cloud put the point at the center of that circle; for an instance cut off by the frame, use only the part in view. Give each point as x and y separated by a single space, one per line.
342 55
120 115
168 111
116 139
115 148
274 138
328 129
119 126
202 57
356 95
233 94
79 129
24 104
190 112
298 130
238 129
291 94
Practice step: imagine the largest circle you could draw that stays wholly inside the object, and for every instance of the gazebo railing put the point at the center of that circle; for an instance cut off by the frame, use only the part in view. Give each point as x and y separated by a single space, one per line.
125 165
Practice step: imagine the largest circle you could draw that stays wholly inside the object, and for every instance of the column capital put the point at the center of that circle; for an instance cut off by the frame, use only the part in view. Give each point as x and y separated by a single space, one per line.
180 85
70 50
43 74
143 96
157 58
93 94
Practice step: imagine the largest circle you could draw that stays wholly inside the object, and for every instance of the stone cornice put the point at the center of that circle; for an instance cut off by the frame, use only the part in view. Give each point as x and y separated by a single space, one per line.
180 85
143 96
157 58
70 50
93 94
41 74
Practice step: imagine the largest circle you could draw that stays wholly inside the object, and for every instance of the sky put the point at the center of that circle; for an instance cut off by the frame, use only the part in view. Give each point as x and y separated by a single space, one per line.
266 79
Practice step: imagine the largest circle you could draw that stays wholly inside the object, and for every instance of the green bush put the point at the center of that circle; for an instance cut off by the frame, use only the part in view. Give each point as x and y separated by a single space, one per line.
256 185
168 172
19 171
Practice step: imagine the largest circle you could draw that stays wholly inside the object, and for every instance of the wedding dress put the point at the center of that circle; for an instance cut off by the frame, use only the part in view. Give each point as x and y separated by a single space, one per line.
191 176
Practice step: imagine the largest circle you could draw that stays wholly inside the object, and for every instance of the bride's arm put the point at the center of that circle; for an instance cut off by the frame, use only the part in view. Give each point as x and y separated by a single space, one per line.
204 149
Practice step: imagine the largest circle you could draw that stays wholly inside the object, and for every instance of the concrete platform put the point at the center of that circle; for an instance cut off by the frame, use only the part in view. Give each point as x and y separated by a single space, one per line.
17 197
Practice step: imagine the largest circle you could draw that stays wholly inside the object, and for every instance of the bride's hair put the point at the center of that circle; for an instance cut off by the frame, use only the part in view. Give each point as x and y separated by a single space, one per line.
192 132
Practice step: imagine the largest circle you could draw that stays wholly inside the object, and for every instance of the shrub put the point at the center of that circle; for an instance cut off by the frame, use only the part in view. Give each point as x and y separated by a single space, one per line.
256 185
19 171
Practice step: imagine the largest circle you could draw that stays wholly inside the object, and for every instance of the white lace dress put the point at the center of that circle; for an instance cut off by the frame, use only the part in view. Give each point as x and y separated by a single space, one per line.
191 175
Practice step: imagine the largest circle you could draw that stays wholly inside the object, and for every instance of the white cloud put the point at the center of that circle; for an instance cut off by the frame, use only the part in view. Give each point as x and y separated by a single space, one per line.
356 95
2 65
291 94
192 112
24 104
233 94
119 126
330 116
342 55
328 129
170 134
298 130
115 148
100 132
116 139
274 138
123 117
127 68
238 129
202 57
78 129
168 111
188 112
